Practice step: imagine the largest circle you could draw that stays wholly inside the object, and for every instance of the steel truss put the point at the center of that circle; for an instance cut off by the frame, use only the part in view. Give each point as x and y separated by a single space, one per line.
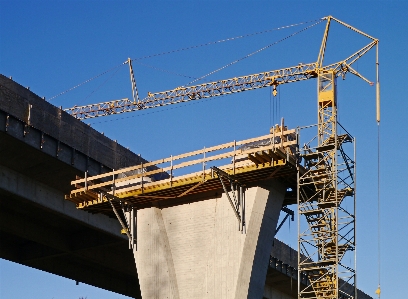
326 205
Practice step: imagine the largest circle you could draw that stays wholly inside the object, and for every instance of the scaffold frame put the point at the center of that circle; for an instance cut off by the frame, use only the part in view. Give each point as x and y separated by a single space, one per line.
326 205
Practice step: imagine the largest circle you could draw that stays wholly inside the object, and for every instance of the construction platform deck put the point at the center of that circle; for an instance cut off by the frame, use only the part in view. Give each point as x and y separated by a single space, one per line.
249 162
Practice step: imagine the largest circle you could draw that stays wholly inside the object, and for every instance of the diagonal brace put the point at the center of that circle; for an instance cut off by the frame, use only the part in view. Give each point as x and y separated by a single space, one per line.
129 228
288 212
238 205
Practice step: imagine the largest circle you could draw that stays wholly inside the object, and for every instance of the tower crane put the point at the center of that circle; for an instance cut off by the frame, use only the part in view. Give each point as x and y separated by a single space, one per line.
322 186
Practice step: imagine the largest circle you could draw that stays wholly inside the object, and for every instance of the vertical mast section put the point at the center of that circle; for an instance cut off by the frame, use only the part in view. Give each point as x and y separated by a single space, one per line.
327 232
326 205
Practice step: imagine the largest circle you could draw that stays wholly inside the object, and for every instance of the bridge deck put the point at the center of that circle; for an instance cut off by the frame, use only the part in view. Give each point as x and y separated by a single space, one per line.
249 161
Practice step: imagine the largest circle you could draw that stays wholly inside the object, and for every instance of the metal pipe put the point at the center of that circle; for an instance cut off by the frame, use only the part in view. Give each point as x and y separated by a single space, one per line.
243 211
235 145
378 86
204 163
355 219
171 170
132 226
118 217
298 227
241 223
142 176
113 183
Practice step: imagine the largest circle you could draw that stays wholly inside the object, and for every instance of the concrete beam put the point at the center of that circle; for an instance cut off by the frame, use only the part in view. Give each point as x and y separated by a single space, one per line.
38 228
41 194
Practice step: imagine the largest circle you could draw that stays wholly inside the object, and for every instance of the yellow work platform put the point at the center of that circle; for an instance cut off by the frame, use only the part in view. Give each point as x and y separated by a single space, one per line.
249 162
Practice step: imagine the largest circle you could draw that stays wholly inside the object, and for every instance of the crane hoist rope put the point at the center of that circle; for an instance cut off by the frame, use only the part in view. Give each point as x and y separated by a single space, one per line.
378 291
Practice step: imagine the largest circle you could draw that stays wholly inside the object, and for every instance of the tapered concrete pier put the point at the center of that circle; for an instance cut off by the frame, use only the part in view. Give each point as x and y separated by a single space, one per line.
195 250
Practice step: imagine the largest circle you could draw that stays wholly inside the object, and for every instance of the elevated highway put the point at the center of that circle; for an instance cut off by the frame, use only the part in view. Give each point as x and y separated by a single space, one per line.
42 149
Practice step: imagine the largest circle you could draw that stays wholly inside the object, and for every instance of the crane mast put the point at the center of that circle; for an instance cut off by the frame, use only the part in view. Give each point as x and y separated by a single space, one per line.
327 179
326 195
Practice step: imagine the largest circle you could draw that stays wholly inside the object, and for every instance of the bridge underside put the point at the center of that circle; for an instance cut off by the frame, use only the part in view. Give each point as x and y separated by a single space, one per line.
36 238
38 228
39 157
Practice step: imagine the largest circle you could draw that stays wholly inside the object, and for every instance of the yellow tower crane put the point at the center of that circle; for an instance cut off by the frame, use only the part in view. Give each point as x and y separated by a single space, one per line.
330 173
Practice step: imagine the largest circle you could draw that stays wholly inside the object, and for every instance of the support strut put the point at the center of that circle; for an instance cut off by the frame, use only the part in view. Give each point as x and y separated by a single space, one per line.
238 193
129 226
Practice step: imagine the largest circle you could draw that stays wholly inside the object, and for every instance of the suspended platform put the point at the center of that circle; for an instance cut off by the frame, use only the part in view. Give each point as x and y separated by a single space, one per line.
248 162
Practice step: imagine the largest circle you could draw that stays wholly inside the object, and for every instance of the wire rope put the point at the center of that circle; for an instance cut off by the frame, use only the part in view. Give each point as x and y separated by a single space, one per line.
86 81
103 83
378 291
179 50
253 53
224 40
163 70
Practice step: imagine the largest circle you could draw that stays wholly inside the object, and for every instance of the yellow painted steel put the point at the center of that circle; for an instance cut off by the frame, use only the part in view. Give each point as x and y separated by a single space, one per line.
272 78
273 151
323 196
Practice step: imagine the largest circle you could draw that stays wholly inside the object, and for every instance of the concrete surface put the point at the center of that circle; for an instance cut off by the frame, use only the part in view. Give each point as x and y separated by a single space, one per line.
196 250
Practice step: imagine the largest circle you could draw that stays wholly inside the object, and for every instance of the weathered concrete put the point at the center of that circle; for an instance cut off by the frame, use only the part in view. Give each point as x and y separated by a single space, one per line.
196 251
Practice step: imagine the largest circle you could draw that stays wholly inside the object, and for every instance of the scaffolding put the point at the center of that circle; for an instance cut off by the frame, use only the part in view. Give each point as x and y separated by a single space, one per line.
326 205
230 167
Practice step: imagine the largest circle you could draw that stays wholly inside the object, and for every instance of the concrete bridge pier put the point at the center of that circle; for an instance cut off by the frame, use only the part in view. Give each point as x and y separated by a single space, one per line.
195 250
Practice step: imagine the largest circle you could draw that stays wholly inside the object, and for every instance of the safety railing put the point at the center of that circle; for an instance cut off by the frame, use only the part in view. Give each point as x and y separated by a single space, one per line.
281 145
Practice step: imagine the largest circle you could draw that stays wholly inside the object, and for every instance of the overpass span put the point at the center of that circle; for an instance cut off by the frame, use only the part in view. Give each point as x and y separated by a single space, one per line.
42 149
40 154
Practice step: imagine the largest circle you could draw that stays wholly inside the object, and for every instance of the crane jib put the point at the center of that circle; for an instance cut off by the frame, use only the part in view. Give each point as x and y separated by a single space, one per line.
222 87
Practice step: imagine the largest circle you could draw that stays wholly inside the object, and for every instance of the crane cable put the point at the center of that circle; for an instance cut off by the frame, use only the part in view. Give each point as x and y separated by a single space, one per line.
182 49
378 291
225 40
255 52
163 70
100 85
86 81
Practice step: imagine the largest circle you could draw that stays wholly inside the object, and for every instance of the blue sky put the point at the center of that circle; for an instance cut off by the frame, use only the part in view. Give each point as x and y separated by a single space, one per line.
52 46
